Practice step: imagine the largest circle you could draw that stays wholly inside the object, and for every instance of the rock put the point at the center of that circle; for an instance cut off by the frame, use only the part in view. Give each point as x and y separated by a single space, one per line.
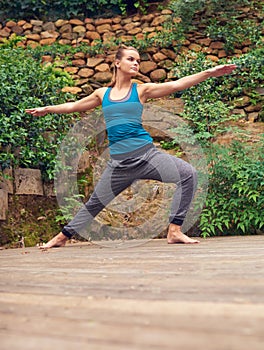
32 44
49 190
222 53
6 182
217 45
67 36
76 22
61 22
94 61
90 27
36 23
4 33
79 29
212 58
72 89
147 66
17 30
49 26
260 91
86 72
88 20
66 28
35 37
92 35
48 41
84 162
159 20
27 26
166 12
134 31
116 20
103 77
129 26
239 111
158 75
159 56
204 41
254 108
78 55
253 117
148 30
46 58
49 34
169 53
79 62
242 101
168 64
36 29
140 36
147 18
87 89
3 204
101 21
10 24
28 181
103 67
195 47
80 81
104 28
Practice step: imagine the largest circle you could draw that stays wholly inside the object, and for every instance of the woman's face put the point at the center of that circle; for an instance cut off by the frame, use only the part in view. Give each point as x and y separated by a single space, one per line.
129 62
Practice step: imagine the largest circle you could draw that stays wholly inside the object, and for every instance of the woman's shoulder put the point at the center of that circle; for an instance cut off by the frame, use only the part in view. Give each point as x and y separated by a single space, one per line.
100 92
142 89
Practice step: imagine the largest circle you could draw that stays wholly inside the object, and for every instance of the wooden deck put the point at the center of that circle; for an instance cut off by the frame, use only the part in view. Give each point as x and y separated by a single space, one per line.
152 296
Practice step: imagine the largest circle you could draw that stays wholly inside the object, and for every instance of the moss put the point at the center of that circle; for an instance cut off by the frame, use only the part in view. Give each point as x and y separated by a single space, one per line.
30 217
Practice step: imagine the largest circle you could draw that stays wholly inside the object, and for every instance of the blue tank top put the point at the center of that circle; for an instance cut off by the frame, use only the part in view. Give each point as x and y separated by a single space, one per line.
123 120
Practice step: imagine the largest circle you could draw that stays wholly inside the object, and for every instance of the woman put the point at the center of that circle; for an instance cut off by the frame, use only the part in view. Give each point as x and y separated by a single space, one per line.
133 155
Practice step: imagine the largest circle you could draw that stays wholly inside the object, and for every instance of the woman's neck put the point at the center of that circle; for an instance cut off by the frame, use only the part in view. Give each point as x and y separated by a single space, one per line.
122 83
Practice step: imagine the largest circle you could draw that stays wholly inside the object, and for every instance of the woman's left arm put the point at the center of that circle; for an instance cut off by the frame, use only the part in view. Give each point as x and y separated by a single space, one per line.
153 90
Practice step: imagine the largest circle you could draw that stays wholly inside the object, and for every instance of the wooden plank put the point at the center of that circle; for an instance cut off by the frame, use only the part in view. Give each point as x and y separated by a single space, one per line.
152 296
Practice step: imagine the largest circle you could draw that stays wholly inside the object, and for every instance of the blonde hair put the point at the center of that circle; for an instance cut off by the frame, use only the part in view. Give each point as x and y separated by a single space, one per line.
118 56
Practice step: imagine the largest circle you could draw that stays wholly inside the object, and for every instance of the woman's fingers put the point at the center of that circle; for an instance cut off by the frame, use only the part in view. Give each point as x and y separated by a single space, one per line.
223 69
37 112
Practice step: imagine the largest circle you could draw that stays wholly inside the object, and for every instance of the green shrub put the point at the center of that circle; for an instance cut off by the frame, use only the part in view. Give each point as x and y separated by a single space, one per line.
208 105
187 9
52 9
27 141
235 200
233 32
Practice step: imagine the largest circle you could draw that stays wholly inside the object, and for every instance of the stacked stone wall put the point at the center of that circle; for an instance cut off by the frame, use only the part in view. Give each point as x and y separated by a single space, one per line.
90 72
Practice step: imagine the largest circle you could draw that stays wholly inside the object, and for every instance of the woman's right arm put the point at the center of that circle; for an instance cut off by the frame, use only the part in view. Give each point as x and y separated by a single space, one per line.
85 104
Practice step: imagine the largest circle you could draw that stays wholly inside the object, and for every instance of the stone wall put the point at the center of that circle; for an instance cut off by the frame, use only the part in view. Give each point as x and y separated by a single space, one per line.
90 72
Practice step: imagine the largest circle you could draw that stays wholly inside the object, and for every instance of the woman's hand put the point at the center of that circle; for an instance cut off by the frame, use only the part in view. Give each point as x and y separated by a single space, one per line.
37 112
218 71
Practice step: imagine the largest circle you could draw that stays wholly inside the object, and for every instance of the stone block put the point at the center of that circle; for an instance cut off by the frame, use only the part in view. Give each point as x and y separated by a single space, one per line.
3 204
49 190
28 181
6 181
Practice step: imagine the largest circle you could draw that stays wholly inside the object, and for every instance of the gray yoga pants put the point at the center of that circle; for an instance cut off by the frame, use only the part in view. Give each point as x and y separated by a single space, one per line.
121 173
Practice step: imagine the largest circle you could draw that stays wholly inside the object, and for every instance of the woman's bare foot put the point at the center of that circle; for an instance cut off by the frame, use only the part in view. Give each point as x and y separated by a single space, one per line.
175 235
58 241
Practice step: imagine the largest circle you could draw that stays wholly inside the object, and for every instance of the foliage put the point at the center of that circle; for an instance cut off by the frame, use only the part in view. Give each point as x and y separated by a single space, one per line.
209 104
49 9
233 32
24 140
187 9
235 200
